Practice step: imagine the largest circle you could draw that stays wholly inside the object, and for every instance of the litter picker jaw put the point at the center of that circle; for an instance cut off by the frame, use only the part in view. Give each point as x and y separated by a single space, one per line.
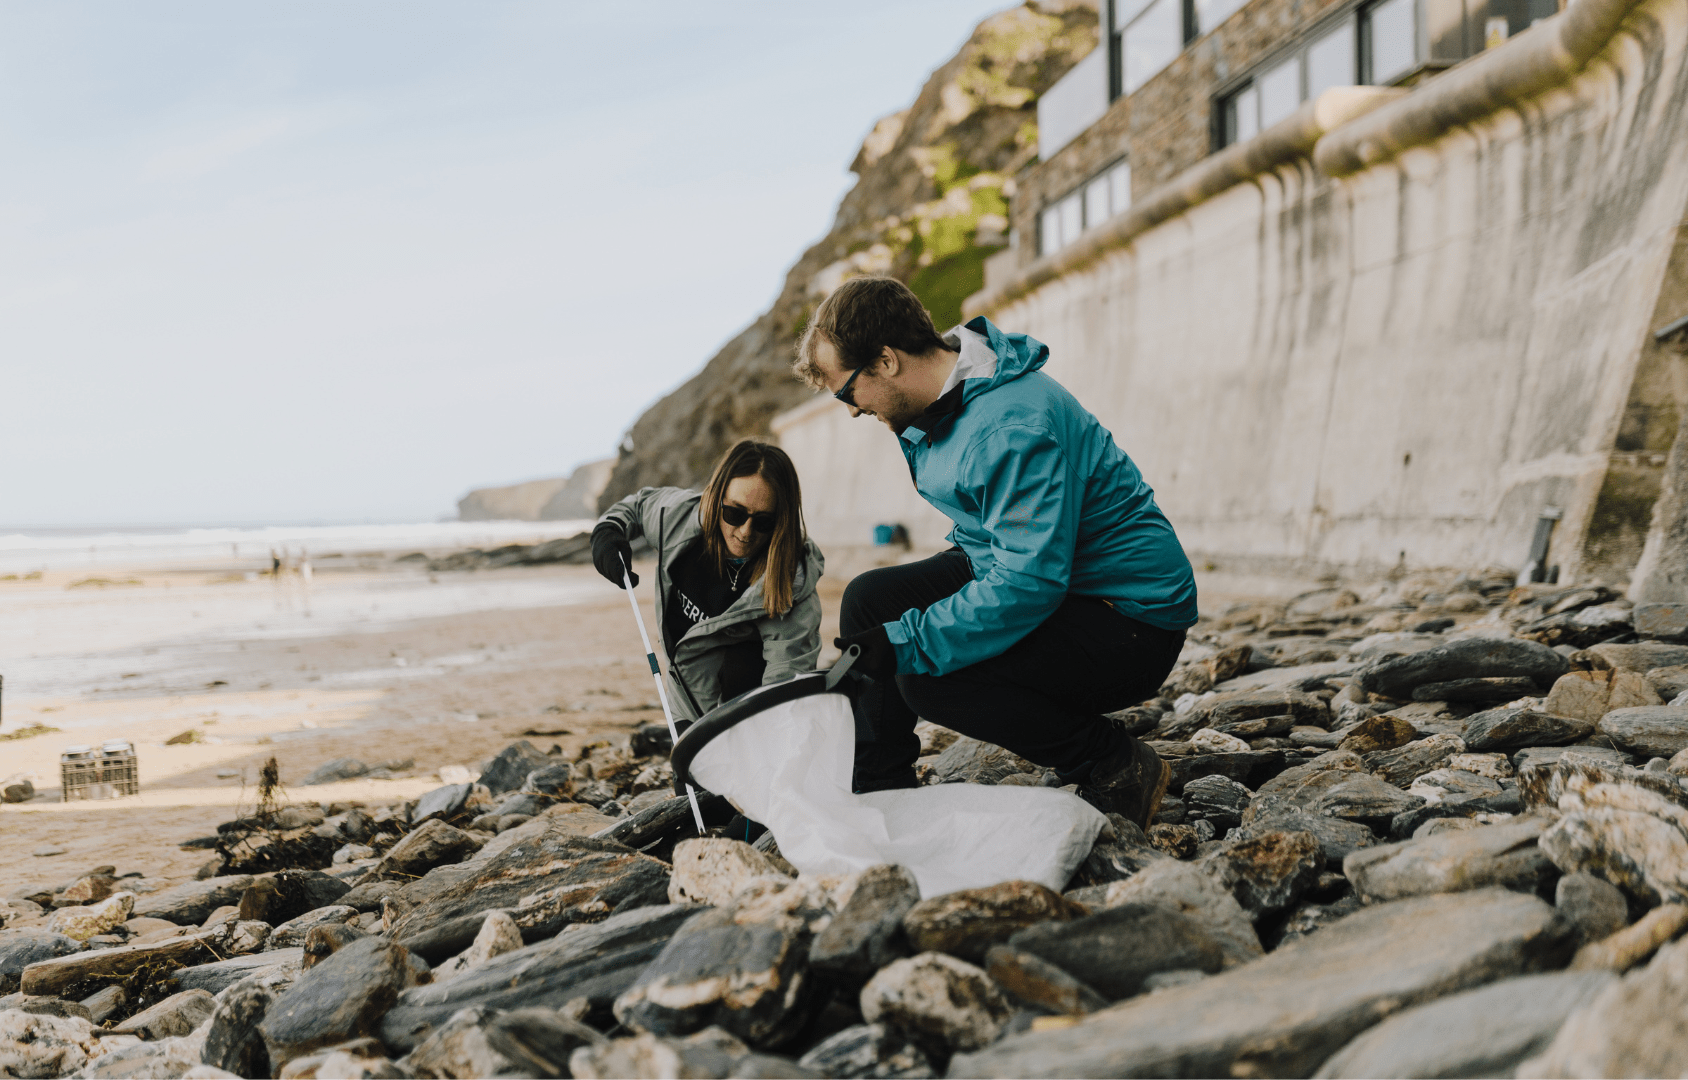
661 685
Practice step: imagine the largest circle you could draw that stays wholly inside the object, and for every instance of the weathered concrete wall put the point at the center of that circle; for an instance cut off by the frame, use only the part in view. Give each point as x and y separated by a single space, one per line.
1408 362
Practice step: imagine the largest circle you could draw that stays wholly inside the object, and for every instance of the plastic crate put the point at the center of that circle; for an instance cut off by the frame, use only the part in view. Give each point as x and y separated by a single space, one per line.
106 772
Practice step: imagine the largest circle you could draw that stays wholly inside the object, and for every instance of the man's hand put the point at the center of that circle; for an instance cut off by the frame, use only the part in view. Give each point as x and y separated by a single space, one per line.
879 656
610 552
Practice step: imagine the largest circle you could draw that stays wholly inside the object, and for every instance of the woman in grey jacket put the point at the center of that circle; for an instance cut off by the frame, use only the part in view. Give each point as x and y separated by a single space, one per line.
735 576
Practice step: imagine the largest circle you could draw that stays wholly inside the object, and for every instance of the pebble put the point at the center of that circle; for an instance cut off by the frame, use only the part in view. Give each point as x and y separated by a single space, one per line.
48 850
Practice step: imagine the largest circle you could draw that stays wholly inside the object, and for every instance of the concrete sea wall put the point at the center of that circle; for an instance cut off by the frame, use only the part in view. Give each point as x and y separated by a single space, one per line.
1371 351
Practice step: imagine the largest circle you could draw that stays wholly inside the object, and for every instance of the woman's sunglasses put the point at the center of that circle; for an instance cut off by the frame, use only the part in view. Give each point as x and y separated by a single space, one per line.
738 515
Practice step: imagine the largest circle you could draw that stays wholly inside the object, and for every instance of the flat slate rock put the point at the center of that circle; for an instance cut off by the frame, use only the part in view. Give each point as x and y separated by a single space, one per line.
1467 658
1649 731
1248 767
596 962
1513 729
1482 1032
193 903
1287 1012
1504 855
222 974
1548 755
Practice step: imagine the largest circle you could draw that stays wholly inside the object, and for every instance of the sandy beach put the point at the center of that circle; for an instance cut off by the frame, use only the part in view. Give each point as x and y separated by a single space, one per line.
390 664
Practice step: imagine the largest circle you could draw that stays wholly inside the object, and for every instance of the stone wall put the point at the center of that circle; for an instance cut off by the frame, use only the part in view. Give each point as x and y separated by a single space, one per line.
1405 363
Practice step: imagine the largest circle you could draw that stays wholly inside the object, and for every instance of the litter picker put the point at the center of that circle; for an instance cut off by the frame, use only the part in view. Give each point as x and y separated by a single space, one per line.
661 688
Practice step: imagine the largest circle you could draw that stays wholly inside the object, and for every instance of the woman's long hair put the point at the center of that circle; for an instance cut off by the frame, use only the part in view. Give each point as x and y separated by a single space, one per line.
777 563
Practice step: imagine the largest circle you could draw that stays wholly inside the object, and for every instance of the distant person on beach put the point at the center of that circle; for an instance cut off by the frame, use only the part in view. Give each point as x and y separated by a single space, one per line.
735 576
1066 595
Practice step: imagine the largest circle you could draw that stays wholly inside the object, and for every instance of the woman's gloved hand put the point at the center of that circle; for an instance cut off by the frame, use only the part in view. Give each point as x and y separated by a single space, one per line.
611 551
879 656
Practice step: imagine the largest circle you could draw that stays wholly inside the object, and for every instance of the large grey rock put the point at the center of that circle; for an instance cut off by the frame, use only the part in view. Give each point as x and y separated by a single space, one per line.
546 883
1545 756
21 948
966 923
1290 1010
1643 656
1227 709
233 1042
509 770
1467 658
597 962
867 933
1218 799
1632 1028
431 844
221 974
1504 855
1595 906
1656 731
1627 826
1511 729
1114 950
480 1042
1482 1032
1190 890
442 802
342 998
1269 872
177 1014
749 979
292 934
939 998
1662 622
193 903
868 1050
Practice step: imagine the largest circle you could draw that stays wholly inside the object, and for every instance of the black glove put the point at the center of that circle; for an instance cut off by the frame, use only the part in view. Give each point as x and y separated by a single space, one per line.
610 552
879 656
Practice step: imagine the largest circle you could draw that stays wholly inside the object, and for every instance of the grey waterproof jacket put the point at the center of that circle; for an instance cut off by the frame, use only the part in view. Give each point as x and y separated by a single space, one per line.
791 643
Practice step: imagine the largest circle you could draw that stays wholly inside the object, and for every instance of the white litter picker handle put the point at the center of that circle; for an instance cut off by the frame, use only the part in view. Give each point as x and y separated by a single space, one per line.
661 688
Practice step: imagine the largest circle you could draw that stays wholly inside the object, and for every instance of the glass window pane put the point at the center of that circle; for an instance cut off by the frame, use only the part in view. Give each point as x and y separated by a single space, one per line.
1126 10
1072 218
1280 91
1096 202
1049 235
1152 42
1393 54
1210 13
1242 115
1333 60
1119 188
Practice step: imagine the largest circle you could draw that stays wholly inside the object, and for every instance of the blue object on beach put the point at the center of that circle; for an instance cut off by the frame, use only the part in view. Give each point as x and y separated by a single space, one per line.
882 534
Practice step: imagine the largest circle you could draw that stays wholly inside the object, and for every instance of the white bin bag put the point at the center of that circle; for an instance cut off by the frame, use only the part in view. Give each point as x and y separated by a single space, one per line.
788 766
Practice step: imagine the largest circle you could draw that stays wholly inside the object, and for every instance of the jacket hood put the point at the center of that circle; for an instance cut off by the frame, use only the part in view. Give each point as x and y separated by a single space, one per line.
990 358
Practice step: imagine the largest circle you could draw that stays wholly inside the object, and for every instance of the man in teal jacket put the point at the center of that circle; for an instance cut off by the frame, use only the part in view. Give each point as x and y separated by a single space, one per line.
1067 593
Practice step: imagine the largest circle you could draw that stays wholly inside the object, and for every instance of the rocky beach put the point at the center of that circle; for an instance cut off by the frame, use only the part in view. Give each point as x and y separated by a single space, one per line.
1427 826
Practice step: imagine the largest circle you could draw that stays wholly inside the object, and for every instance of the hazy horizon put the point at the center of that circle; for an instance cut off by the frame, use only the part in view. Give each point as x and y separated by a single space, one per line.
320 263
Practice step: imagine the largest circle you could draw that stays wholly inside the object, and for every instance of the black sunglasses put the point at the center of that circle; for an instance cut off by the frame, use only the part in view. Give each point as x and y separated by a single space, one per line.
844 393
738 515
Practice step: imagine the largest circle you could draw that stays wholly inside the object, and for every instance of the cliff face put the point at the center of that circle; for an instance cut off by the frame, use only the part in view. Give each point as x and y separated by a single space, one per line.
930 204
562 498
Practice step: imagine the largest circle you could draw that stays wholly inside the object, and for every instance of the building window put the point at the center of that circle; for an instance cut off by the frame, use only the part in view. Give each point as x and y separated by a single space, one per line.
1329 60
1103 196
1389 39
1151 39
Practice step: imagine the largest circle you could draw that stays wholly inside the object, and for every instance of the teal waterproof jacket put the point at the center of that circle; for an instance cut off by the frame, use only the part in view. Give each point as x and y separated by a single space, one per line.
1044 504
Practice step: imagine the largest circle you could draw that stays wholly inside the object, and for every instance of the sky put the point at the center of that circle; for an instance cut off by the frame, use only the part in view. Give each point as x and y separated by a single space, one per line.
343 261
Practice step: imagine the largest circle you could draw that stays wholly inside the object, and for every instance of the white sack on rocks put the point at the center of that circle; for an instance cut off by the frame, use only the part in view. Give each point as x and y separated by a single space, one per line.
789 767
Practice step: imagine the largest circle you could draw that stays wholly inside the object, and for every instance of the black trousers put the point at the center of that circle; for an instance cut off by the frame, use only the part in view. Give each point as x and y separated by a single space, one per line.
1044 698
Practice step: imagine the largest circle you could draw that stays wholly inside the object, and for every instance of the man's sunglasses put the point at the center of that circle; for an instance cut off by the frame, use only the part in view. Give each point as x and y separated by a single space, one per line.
844 392
738 515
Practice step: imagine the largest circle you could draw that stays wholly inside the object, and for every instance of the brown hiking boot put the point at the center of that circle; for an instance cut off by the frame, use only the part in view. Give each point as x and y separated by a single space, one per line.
1131 783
